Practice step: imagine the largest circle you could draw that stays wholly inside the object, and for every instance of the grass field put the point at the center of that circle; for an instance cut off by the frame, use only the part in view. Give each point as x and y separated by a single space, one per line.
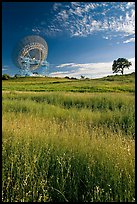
68 140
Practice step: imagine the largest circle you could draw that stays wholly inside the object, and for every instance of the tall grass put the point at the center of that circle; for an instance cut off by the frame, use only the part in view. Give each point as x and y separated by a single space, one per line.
115 111
68 147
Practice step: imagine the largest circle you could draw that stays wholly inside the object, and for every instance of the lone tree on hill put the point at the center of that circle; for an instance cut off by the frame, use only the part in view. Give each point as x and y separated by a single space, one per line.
120 64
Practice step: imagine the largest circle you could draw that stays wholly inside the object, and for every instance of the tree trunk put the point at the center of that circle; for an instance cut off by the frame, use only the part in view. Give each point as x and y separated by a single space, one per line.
122 71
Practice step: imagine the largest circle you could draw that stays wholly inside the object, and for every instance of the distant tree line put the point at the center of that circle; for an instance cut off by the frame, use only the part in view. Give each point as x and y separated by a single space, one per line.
66 77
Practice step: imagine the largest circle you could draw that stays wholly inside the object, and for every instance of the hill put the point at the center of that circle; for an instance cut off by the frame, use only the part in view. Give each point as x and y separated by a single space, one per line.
115 83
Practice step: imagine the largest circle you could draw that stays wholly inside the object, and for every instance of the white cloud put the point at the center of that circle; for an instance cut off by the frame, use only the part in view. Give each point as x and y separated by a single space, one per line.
63 15
81 19
91 70
75 4
132 60
129 40
130 4
65 65
59 73
56 6
5 67
36 30
105 37
88 24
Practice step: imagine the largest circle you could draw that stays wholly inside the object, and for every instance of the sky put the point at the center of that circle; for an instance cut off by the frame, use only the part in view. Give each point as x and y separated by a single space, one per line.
84 38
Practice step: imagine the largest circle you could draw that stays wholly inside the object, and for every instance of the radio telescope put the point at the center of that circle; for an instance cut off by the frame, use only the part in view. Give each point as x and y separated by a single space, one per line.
30 53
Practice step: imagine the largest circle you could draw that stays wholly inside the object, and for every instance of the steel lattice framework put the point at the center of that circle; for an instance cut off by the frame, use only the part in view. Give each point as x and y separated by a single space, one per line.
30 53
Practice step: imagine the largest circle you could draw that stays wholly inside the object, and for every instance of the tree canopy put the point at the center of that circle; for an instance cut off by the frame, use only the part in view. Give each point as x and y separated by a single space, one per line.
120 64
5 77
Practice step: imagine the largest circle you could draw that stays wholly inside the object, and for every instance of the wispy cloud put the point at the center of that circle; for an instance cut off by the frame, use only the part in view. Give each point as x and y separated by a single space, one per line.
81 19
91 70
130 5
5 67
129 40
56 6
65 65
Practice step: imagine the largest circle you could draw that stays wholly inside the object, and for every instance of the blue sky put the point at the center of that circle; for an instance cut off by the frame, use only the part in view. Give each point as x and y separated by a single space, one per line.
83 37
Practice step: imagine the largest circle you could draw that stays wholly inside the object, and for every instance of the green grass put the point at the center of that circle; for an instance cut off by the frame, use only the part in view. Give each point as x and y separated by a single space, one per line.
124 83
65 146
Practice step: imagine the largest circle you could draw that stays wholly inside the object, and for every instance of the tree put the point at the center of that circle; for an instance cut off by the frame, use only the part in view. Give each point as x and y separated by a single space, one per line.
66 77
120 64
82 77
5 76
17 75
35 73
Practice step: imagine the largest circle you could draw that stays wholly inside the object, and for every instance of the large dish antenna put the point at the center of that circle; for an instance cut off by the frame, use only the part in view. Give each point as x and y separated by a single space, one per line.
30 53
